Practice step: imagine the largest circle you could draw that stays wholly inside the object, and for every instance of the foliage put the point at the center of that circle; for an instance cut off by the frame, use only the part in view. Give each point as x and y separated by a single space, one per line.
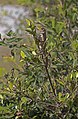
23 2
44 82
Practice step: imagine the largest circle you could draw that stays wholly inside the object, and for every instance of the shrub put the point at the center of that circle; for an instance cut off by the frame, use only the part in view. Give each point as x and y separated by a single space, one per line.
44 82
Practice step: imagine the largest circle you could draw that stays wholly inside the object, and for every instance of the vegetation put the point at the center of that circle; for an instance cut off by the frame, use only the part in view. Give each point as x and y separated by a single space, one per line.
44 81
4 2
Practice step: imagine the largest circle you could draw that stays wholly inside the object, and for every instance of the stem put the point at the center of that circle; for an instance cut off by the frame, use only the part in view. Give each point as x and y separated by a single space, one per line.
45 60
50 80
41 44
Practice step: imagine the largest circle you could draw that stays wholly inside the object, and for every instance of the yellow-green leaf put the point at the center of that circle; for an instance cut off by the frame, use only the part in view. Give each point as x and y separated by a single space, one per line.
28 22
34 53
77 75
23 55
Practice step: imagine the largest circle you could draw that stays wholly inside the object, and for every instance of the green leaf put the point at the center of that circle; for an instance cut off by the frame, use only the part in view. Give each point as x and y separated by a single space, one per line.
60 82
53 22
60 26
5 109
35 117
13 39
60 95
2 43
67 95
76 74
29 30
34 53
23 100
23 55
1 98
10 85
11 33
28 22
